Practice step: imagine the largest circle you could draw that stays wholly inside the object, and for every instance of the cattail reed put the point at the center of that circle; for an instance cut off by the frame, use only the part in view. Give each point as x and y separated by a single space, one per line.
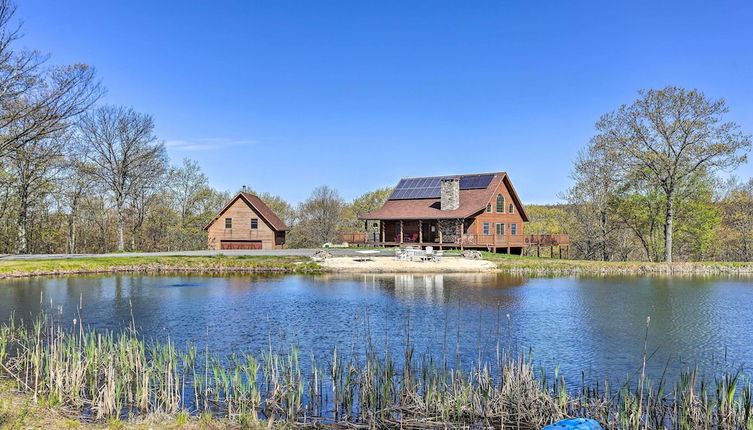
109 375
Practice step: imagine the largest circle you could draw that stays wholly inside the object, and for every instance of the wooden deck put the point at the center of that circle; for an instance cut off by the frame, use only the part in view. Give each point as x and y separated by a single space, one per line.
489 242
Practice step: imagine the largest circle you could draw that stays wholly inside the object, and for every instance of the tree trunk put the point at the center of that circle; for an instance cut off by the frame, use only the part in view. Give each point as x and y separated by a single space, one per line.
668 229
23 222
121 227
71 236
603 226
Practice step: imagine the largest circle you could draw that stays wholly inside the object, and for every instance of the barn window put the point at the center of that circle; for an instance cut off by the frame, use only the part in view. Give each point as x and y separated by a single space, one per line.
510 208
514 228
500 228
500 203
489 207
254 223
228 223
486 228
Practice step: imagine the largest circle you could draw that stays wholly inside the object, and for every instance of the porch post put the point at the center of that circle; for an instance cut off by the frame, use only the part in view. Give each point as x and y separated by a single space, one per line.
381 230
401 231
420 231
462 232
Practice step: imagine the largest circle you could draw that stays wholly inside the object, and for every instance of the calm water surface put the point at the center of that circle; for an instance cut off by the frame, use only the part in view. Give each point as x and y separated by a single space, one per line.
596 325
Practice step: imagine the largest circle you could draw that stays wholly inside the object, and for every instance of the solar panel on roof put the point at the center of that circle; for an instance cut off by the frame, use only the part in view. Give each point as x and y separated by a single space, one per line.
417 188
431 187
476 181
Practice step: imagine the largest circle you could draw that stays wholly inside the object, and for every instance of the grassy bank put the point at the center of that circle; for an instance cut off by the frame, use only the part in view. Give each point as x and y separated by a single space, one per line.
111 378
210 264
552 266
301 264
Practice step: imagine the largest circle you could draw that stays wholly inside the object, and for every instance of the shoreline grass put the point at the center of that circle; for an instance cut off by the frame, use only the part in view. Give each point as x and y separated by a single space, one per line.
119 377
221 264
158 264
516 264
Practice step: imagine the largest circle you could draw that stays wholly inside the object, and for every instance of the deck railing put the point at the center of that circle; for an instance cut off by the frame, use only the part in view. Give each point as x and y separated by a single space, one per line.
515 240
476 240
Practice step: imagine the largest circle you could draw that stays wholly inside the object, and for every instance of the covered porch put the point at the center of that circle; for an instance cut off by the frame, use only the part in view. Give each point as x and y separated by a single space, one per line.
415 232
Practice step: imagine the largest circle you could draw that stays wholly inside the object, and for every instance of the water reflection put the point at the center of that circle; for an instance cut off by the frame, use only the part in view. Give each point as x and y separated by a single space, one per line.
595 324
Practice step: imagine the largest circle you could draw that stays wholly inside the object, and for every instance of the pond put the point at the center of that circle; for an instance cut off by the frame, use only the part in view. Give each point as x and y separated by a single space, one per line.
594 325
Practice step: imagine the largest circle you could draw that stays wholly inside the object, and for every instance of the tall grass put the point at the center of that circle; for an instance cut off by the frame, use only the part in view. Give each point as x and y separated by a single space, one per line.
109 375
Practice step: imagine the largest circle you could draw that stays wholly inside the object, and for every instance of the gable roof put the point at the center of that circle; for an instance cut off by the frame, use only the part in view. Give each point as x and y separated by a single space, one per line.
258 206
472 202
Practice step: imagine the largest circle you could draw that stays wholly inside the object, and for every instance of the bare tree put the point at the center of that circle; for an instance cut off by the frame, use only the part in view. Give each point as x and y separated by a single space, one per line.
597 180
33 167
320 218
667 138
124 154
37 101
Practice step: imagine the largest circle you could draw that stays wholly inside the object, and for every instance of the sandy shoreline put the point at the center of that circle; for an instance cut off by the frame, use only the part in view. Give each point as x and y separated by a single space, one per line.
390 265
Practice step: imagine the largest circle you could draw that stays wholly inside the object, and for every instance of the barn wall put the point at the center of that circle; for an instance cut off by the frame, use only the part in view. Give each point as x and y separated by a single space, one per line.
241 213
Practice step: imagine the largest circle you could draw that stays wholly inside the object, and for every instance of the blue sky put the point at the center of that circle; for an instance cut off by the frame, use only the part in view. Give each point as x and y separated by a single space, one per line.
283 96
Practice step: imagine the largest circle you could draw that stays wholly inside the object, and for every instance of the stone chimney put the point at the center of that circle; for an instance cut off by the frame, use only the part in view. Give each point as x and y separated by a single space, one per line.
450 194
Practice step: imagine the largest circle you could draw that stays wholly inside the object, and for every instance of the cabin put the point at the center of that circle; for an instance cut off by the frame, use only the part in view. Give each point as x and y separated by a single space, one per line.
476 211
246 223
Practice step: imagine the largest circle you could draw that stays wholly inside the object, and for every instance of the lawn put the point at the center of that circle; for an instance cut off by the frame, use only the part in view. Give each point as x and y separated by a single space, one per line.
218 263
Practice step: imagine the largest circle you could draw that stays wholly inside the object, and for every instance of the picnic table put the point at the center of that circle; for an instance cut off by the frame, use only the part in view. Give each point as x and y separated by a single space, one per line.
366 255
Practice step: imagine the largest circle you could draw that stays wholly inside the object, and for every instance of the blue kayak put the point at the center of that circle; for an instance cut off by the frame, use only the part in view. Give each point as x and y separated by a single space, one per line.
574 424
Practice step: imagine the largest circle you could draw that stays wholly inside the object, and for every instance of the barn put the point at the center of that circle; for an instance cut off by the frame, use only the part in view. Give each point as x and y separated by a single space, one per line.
246 223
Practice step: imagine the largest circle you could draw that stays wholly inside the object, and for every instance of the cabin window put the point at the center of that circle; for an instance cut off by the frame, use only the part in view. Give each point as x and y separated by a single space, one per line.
228 223
489 207
254 223
500 203
500 228
486 228
514 229
510 208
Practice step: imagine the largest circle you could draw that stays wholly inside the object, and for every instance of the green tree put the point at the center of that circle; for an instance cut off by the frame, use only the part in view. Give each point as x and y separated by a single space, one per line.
363 204
666 138
736 207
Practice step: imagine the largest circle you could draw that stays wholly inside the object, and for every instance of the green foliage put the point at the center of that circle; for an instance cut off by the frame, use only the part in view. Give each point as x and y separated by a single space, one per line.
365 203
547 219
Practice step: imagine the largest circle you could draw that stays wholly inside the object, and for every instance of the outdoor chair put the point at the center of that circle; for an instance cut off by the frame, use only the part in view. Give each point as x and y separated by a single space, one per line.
437 256
429 253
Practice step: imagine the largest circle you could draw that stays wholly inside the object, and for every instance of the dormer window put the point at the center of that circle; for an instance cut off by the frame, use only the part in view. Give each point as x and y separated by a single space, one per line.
489 207
500 203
